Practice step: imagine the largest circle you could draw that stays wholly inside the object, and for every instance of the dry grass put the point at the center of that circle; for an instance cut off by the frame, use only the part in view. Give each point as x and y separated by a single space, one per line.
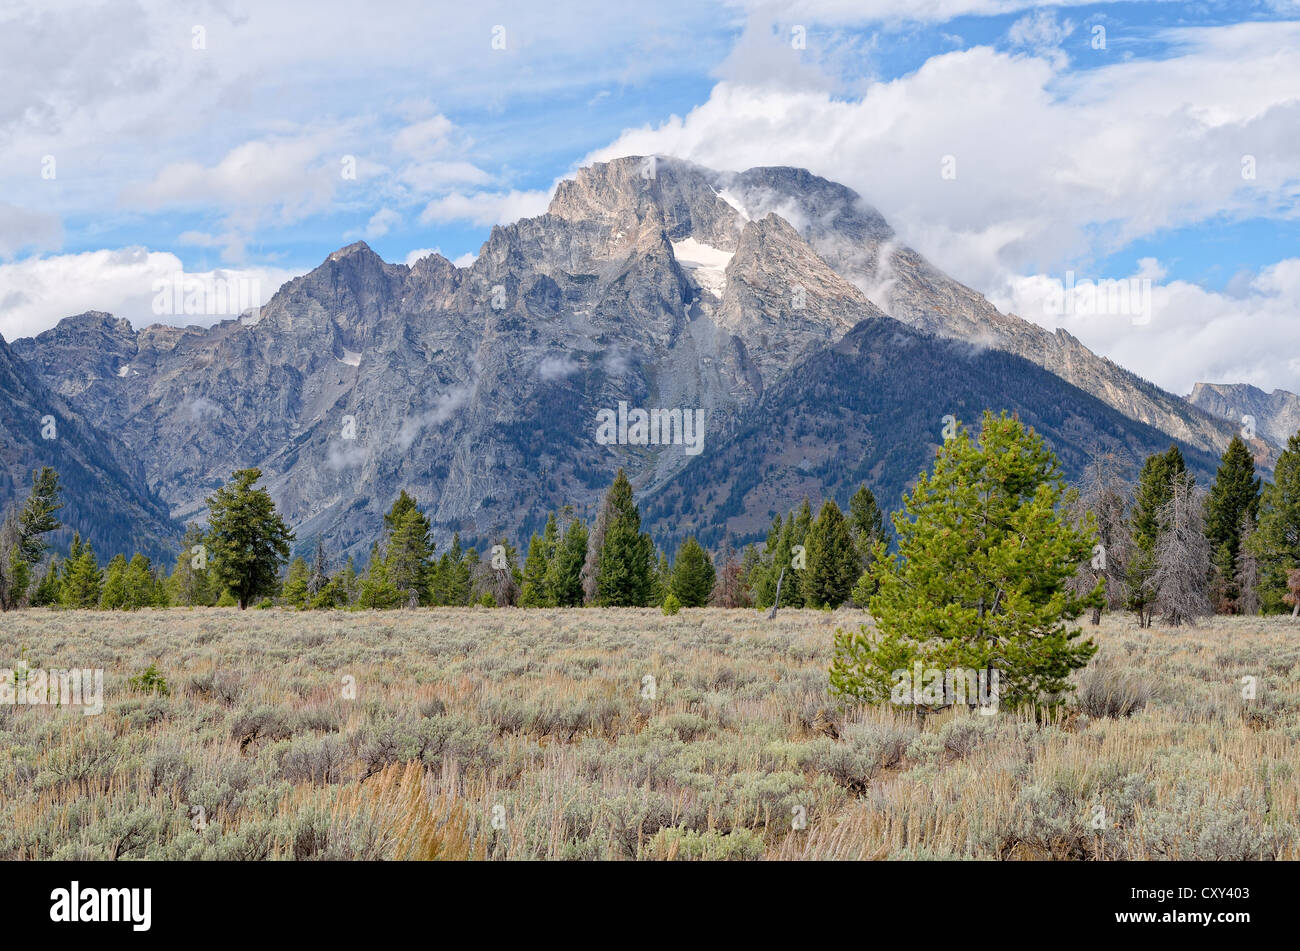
525 734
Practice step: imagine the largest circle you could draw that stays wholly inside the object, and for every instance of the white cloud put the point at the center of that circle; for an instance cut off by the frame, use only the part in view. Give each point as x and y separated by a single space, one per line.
381 222
1194 335
486 208
35 293
442 410
22 228
553 368
1056 168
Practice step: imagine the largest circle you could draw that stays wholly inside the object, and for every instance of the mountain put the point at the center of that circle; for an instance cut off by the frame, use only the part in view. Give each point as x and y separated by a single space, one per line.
1277 414
870 409
105 493
652 283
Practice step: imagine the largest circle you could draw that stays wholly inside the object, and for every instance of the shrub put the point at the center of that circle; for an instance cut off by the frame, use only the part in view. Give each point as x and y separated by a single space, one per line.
671 604
149 680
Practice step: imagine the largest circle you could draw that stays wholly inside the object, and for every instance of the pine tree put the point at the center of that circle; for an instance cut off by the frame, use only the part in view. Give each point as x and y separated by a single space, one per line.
662 578
564 580
377 592
409 558
1276 542
833 560
113 596
536 592
22 542
294 591
48 588
766 566
1234 494
349 588
190 583
692 574
626 575
979 578
141 589
83 581
866 525
247 540
451 579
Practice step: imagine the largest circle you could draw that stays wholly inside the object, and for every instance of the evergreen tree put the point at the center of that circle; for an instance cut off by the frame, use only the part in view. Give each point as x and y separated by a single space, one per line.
377 592
48 588
349 588
1234 495
22 542
766 566
37 517
626 576
867 526
113 595
139 585
832 560
190 584
662 579
409 560
83 579
536 592
247 540
451 579
1276 542
564 579
294 592
979 578
1247 570
693 575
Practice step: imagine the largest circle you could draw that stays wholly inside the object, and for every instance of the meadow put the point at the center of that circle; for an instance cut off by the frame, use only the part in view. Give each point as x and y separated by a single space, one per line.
624 734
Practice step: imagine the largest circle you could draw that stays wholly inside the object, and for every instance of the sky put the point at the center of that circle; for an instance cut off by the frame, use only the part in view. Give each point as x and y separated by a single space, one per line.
1024 149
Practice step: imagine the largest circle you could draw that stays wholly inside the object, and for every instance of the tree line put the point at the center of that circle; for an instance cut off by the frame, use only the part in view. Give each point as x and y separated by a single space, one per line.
1162 546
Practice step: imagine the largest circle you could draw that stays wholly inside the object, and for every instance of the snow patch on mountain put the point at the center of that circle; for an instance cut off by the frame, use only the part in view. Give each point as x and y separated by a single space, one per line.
704 264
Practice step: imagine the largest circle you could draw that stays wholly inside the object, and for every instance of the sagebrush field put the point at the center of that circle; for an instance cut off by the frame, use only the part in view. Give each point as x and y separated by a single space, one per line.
531 734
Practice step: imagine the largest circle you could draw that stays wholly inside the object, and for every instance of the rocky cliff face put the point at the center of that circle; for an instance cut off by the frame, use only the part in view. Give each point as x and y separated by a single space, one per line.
1276 415
652 283
105 492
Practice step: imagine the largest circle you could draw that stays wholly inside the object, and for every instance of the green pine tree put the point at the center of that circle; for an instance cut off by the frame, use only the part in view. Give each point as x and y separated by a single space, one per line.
83 580
979 580
48 588
247 540
113 596
693 574
1276 541
832 560
625 577
409 560
536 592
294 591
1233 496
564 578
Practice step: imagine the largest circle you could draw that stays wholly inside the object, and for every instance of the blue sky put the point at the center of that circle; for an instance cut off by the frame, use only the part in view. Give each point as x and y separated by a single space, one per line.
138 139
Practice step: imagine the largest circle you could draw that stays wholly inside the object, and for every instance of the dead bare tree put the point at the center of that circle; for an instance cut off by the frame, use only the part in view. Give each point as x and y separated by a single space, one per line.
1247 570
1179 584
1105 492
